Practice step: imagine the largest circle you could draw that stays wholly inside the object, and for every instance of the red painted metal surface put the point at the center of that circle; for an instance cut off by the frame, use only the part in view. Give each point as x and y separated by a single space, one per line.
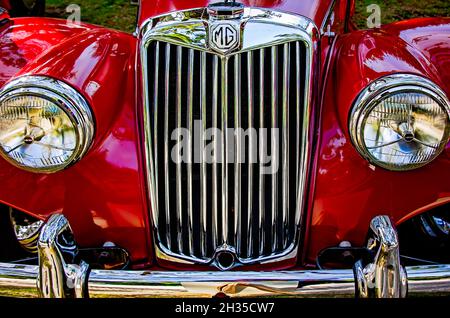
349 192
4 17
104 195
5 4
314 9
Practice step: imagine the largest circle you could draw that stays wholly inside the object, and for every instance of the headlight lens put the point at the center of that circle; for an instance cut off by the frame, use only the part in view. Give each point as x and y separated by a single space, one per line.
401 122
45 125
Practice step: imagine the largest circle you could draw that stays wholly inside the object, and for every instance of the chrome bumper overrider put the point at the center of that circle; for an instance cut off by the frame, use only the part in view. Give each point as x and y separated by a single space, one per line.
382 276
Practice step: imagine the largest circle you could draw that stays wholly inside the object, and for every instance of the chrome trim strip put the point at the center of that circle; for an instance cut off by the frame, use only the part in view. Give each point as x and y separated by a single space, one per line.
337 283
298 110
423 281
151 176
54 277
285 144
155 130
305 140
431 280
17 280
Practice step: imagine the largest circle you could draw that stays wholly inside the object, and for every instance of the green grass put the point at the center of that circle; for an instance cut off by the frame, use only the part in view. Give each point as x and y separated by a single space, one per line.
119 14
397 10
116 14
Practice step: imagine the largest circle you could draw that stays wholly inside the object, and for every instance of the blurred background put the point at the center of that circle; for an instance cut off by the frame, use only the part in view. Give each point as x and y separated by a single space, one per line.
397 10
116 14
121 14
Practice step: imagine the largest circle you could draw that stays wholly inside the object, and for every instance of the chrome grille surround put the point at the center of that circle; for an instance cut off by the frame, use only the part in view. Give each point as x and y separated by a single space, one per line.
188 30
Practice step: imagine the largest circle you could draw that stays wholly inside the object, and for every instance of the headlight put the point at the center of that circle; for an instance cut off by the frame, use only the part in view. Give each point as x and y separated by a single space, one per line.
45 125
400 122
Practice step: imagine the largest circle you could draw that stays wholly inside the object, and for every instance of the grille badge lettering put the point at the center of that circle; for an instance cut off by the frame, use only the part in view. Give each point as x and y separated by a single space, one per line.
224 36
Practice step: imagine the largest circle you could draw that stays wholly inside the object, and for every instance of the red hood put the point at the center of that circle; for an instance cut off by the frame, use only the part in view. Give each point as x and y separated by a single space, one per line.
316 10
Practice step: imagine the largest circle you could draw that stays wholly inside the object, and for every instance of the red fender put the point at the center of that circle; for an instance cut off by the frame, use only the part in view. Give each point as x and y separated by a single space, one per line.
102 195
5 4
349 191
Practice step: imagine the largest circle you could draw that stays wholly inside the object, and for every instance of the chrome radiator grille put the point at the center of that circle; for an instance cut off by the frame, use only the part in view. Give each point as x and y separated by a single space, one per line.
200 207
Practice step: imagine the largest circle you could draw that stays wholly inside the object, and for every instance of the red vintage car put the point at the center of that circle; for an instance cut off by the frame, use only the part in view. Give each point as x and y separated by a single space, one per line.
266 147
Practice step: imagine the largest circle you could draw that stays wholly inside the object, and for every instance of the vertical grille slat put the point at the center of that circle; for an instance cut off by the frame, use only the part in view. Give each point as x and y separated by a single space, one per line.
215 122
224 148
298 145
204 171
298 109
215 188
166 148
155 124
179 184
262 145
251 149
274 146
190 118
236 198
285 144
237 152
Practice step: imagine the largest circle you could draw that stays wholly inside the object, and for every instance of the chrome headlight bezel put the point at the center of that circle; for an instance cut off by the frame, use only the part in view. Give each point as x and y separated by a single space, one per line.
68 100
382 89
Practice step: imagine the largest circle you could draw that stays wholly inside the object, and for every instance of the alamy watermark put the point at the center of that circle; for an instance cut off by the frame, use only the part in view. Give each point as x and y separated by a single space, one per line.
74 17
374 19
232 145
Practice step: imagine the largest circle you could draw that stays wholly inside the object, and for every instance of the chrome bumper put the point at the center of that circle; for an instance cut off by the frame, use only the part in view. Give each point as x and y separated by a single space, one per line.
383 276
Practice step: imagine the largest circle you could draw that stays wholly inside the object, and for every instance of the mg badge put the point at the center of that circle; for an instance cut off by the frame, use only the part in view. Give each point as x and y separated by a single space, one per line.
224 37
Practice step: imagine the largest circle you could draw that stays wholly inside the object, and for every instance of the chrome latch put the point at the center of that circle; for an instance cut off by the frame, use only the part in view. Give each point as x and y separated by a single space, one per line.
226 10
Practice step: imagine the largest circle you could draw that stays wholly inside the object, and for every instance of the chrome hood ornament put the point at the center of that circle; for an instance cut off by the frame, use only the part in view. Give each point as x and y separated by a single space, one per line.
225 34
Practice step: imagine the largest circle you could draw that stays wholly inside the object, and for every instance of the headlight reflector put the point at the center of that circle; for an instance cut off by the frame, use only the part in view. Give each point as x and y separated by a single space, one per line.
400 122
45 125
